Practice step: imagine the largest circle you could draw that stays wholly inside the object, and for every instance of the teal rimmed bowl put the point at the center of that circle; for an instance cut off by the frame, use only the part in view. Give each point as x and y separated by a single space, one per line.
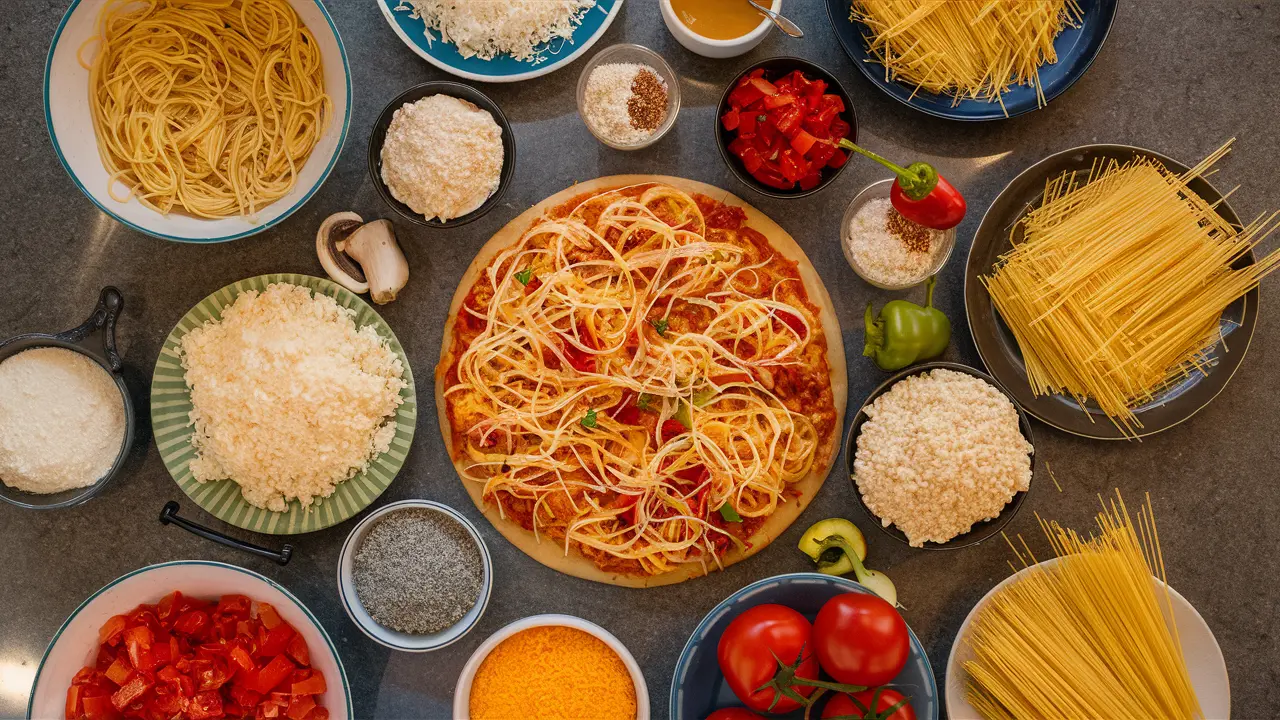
76 642
170 422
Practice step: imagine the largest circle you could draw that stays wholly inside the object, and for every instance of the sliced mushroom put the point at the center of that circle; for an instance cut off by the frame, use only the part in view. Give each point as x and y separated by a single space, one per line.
330 239
374 246
362 257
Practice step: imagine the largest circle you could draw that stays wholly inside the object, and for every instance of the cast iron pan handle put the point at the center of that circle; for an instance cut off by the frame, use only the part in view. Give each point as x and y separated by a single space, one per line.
102 321
170 515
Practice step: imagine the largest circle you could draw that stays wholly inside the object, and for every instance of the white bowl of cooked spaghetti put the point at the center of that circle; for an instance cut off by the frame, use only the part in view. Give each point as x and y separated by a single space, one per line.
234 156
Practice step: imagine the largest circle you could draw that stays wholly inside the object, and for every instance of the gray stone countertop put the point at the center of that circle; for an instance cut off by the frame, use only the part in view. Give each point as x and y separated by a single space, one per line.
1177 77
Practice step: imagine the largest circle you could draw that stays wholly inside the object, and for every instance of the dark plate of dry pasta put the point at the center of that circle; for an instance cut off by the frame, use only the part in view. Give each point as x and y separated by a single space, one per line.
1113 290
960 61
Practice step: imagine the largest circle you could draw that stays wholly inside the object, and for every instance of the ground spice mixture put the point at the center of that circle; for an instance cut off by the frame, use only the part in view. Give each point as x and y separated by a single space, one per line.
552 672
915 237
418 572
624 103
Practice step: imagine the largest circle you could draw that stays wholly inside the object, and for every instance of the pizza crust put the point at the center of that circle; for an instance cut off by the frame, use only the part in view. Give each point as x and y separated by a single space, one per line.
552 553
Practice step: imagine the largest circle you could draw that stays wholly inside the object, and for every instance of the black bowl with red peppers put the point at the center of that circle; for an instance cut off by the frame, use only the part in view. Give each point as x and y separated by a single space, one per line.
777 125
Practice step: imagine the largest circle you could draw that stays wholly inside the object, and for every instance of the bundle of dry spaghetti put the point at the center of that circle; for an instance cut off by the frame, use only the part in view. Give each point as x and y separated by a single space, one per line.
969 49
208 107
1117 285
1085 636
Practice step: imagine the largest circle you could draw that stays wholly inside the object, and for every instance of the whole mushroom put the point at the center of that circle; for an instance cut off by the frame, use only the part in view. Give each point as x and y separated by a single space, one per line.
362 257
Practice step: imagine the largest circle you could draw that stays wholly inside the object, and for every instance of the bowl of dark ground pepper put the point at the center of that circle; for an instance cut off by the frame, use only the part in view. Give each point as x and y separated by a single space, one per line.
415 576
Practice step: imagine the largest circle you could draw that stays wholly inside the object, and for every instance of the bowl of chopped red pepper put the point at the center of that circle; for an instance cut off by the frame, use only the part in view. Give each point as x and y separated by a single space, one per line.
778 126
191 639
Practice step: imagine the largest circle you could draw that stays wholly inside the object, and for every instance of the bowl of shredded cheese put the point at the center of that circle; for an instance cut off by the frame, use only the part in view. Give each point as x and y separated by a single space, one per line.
66 420
886 249
551 666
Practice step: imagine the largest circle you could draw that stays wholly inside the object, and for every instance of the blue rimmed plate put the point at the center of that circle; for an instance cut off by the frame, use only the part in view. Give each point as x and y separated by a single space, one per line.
76 642
1077 47
698 687
67 117
551 56
171 425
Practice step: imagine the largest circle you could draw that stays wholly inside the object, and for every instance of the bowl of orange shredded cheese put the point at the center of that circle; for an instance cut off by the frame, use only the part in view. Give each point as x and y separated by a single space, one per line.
551 666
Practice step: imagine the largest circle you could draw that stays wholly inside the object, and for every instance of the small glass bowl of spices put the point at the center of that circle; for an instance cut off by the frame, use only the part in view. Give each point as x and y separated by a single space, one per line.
415 576
628 96
886 249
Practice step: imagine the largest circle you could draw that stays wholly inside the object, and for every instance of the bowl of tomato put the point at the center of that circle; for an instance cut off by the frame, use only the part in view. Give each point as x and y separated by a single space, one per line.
832 629
779 124
191 639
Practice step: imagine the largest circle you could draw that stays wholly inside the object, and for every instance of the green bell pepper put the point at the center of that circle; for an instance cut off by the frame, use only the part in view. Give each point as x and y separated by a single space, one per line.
906 333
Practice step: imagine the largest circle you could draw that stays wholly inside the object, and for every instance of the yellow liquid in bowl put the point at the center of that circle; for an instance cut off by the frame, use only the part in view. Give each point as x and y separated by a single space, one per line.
718 19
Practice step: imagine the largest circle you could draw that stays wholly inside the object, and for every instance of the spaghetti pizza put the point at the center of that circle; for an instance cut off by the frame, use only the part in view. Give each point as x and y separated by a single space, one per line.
642 378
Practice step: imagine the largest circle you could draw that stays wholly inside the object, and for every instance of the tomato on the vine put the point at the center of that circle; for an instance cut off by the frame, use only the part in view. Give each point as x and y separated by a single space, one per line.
762 651
734 714
869 704
860 639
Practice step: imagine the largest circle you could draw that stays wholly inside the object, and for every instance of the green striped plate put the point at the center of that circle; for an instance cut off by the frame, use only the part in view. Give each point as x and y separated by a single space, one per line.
171 404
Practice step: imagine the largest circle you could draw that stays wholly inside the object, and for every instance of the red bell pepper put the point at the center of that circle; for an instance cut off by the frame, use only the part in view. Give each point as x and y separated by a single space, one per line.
99 707
112 630
297 650
205 706
313 685
731 120
130 692
672 428
273 674
273 642
300 707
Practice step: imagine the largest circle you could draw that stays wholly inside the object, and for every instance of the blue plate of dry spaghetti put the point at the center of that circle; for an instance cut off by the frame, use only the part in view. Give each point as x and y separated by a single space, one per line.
923 61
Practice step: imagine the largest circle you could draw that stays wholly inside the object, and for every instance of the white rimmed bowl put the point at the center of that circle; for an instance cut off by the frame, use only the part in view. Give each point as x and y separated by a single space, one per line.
462 692
76 642
1205 663
640 55
879 190
710 47
392 638
66 106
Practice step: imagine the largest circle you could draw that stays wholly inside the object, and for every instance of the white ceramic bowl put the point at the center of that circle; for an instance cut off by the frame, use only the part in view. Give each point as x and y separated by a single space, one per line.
880 189
66 105
392 638
1205 664
640 55
76 642
462 692
708 47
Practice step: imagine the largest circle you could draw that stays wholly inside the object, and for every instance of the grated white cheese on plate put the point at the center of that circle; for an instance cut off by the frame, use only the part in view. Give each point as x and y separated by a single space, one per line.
288 397
488 28
62 421
442 156
941 451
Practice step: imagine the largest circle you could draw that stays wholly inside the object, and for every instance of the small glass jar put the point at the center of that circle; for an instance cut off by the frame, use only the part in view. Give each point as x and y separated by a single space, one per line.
875 191
640 55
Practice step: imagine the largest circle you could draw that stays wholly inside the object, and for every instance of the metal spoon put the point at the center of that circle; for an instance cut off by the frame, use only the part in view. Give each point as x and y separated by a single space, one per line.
783 24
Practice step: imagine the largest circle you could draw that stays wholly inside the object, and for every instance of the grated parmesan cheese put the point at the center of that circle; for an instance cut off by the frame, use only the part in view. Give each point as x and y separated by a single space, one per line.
442 156
488 28
61 421
288 397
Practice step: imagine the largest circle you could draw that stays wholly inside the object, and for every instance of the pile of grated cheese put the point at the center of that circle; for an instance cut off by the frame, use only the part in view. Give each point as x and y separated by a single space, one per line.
442 156
488 28
288 397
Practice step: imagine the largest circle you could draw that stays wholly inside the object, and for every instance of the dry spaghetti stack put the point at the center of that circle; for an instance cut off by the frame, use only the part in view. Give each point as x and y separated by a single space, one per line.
1084 637
969 49
208 107
1117 285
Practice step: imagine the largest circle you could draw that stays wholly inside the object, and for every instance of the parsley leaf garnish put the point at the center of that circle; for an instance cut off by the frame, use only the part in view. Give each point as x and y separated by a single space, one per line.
590 420
524 276
729 514
645 401
660 325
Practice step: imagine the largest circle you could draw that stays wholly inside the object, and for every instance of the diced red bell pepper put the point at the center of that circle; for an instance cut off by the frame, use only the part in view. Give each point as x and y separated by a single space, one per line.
738 146
138 641
268 615
820 123
245 697
313 685
696 474
275 640
241 659
791 320
788 121
300 707
212 676
112 630
237 605
192 623
297 650
811 181
319 713
273 674
744 95
747 122
99 707
579 360
765 87
205 706
839 129
84 676
838 159
821 153
776 101
168 607
131 692
532 286
793 165
628 503
832 100
730 120
751 160
672 428
803 142
769 175
73 702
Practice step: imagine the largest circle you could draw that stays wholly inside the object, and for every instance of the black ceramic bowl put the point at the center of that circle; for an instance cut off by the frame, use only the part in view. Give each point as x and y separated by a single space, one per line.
96 340
774 69
980 531
462 92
